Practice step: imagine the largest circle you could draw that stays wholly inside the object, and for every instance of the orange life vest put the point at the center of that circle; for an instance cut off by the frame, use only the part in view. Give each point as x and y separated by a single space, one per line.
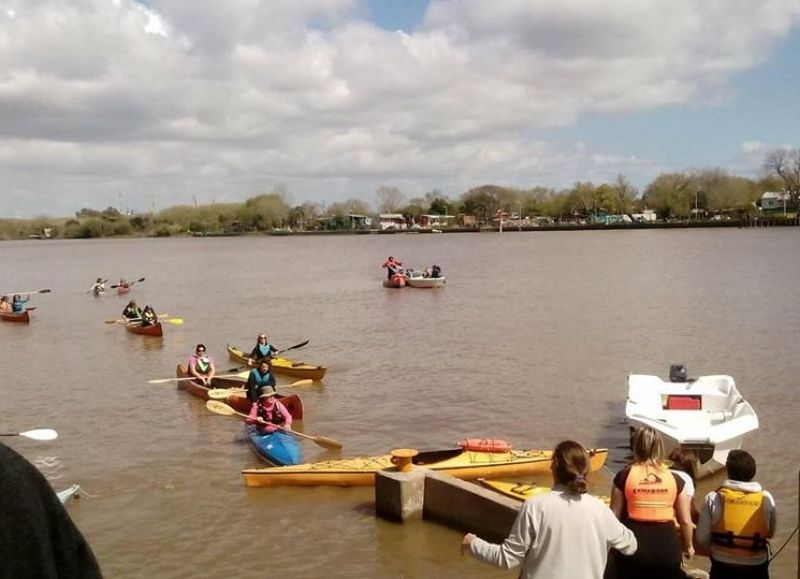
742 529
650 493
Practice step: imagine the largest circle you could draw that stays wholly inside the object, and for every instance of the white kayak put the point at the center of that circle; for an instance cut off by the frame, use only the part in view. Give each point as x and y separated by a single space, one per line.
706 414
416 279
68 493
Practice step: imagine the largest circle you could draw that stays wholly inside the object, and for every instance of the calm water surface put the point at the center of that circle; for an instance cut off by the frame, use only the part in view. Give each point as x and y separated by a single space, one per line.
531 340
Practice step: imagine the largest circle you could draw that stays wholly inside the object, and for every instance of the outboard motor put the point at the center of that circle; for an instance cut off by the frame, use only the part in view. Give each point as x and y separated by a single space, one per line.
678 373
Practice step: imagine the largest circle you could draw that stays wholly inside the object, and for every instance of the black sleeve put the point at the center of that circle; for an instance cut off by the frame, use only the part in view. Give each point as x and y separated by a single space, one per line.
679 482
621 477
37 535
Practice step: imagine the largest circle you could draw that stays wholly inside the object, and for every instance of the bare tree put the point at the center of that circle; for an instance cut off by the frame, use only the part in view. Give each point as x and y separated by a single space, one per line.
625 194
390 199
785 163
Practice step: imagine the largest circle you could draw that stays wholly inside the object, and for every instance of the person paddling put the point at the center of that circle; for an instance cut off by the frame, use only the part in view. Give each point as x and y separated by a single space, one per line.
99 286
201 365
132 311
392 266
263 349
274 413
260 380
5 304
18 303
149 316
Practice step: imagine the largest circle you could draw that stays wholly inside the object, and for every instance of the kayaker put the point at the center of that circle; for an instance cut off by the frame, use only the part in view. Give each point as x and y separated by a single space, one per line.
561 534
37 537
99 286
123 284
271 411
260 380
132 311
392 266
18 303
201 365
149 316
5 304
263 349
647 497
736 522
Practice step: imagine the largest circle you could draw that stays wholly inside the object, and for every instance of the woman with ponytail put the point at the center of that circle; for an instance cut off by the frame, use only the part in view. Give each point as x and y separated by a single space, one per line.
563 534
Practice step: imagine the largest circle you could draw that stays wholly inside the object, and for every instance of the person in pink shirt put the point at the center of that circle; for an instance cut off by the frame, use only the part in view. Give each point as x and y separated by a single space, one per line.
201 365
271 412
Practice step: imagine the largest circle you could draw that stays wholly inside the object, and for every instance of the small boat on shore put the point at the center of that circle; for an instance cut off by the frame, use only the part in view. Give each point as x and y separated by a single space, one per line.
522 491
707 415
19 318
278 448
236 400
154 330
283 366
457 462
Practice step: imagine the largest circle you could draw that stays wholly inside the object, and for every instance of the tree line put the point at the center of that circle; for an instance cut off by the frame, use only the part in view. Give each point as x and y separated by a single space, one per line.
670 195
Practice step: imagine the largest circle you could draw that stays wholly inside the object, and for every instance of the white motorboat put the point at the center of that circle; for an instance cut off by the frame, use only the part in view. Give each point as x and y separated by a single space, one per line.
705 414
416 279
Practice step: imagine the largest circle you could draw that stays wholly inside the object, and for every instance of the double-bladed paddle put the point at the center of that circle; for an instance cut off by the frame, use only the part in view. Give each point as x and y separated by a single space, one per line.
43 291
38 434
300 345
221 408
242 375
161 318
223 393
115 286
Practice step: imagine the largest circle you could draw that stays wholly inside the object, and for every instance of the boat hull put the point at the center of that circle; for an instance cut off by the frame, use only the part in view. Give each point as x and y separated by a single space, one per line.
283 366
237 401
463 464
154 330
123 290
396 281
425 282
278 448
20 318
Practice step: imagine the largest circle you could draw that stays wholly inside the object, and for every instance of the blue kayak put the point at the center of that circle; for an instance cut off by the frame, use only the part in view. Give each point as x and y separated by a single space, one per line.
278 448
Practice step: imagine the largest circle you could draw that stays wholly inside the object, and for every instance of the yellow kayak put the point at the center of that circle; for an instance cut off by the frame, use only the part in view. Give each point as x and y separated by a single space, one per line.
283 366
463 464
521 491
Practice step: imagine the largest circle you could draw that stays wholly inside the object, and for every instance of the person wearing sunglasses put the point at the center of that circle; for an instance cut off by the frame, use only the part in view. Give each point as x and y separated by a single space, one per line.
263 349
201 365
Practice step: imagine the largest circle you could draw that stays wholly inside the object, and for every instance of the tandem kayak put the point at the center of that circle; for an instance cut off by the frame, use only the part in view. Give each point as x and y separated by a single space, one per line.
20 318
457 462
522 491
283 366
154 330
238 401
278 448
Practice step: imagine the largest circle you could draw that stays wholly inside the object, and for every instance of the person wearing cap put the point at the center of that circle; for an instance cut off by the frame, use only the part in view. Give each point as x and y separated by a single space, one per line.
260 380
132 311
201 365
269 414
262 349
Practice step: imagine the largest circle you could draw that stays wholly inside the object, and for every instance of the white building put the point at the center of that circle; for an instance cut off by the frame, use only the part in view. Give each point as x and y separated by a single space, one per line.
774 200
392 221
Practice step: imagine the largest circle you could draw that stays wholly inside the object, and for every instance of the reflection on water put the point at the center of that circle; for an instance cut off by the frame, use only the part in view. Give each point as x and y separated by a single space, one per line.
531 341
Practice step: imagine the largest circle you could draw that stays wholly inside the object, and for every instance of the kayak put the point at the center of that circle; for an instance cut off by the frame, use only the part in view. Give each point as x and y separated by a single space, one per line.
123 290
278 448
238 401
521 491
154 330
457 462
68 493
398 280
283 366
20 318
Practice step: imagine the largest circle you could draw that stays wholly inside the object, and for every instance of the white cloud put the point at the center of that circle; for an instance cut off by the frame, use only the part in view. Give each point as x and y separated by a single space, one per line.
179 98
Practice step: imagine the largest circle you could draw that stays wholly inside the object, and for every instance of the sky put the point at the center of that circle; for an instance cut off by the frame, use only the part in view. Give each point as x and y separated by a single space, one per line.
145 104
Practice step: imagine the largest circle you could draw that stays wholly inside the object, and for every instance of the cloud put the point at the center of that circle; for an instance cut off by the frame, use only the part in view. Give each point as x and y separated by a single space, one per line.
174 98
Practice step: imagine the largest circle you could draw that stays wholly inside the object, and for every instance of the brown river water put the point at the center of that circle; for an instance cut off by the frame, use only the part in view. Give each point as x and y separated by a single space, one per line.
531 340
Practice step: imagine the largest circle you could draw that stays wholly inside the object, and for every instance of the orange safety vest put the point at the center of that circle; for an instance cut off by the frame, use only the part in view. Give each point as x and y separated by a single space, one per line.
650 493
742 528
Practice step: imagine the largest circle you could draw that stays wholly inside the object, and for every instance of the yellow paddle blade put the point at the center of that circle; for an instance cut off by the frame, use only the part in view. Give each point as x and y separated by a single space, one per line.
174 321
305 382
218 407
327 442
223 393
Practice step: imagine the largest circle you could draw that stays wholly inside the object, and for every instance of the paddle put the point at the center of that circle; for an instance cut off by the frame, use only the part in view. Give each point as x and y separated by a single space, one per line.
176 321
223 393
221 408
44 291
164 380
38 434
115 286
300 345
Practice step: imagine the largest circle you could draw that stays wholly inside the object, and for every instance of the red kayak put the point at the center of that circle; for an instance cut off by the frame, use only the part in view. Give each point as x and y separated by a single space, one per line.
151 330
238 402
20 318
398 280
123 290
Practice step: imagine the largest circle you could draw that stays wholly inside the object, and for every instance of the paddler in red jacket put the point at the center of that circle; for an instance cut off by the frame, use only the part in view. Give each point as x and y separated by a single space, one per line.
392 266
271 411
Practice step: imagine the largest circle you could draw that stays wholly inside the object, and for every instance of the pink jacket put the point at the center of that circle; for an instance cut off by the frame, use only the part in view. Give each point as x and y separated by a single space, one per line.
269 428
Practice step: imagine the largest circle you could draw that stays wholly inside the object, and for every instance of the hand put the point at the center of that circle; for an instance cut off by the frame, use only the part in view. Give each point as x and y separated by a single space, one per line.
466 542
688 553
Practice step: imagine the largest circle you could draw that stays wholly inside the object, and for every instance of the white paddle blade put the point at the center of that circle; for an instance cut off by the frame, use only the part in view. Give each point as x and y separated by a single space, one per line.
40 434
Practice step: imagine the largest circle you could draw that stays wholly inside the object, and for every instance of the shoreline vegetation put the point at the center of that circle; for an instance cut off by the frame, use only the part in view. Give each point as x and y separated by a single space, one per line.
706 198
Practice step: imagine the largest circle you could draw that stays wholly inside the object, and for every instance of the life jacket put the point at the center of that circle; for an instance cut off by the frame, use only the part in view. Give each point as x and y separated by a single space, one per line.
265 350
202 365
742 528
261 380
274 416
650 493
132 313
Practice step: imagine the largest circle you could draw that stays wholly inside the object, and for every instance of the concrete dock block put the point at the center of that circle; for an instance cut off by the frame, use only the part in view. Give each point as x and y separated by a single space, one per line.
399 495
